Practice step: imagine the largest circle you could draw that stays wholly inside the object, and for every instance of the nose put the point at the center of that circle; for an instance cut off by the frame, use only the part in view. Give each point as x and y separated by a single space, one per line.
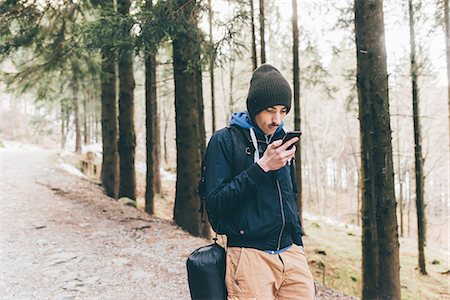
276 118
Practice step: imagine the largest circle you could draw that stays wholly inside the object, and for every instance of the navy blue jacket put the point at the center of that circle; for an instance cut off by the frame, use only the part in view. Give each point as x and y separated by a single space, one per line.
254 209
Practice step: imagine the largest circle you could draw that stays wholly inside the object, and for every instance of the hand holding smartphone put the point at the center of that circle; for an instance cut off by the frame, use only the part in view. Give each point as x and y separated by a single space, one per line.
290 135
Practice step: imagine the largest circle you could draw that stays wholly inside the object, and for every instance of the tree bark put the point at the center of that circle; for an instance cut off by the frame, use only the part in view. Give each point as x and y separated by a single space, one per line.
150 100
110 168
212 58
188 130
447 44
200 107
166 127
153 178
85 120
420 207
230 95
261 31
297 110
63 118
63 130
400 177
76 108
127 137
380 255
157 144
253 53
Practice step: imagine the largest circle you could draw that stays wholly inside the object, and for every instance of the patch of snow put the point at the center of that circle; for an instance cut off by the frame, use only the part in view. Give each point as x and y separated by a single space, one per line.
96 148
65 153
330 221
71 170
168 175
142 168
9 145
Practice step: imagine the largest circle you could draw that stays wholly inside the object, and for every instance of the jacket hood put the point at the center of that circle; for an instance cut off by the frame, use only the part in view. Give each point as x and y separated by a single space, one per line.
242 119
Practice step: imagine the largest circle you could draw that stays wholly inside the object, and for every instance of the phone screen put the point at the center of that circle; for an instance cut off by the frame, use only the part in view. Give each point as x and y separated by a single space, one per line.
291 135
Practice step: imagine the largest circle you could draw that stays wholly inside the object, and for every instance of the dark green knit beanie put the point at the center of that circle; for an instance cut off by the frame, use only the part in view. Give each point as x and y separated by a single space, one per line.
267 88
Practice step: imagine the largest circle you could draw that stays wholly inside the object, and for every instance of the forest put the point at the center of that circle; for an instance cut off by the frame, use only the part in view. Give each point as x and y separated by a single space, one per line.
134 89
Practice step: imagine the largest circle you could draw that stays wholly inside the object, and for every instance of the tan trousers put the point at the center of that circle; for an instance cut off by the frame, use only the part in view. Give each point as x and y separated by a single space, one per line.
255 274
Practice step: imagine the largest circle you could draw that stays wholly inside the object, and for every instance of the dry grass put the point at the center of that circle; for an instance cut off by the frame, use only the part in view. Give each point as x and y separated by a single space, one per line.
340 268
343 263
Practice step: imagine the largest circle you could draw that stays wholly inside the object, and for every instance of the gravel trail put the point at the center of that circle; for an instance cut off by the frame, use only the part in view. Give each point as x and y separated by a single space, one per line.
61 238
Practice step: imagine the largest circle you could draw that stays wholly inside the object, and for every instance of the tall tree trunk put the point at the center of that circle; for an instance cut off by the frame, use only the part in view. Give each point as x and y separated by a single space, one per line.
380 255
261 31
417 144
63 130
63 118
200 108
166 127
86 127
212 57
95 116
447 43
205 227
153 179
110 162
188 131
127 137
230 95
447 51
67 118
252 21
297 115
157 144
150 95
400 176
408 199
76 108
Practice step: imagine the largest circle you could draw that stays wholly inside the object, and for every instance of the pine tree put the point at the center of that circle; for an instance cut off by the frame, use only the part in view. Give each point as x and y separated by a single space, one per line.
152 142
420 207
297 115
380 260
262 31
188 102
127 137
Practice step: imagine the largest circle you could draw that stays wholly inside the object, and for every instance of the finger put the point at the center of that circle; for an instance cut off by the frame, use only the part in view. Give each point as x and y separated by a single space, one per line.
288 143
288 154
293 150
275 144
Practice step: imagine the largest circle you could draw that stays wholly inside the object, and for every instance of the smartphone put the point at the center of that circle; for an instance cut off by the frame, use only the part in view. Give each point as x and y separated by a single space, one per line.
291 135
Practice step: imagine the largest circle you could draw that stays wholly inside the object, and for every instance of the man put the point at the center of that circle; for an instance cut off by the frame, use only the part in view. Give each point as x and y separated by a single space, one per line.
250 196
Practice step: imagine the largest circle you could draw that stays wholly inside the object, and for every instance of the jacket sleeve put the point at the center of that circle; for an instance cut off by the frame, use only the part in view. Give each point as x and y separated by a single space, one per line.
225 192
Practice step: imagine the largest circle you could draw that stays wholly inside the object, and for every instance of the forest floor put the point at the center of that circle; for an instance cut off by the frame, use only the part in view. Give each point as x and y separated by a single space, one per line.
61 238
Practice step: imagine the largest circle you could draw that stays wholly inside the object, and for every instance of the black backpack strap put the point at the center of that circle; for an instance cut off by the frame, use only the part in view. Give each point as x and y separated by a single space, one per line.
240 145
201 189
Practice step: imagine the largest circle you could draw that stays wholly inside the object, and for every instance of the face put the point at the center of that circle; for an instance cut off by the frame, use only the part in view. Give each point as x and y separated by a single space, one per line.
269 119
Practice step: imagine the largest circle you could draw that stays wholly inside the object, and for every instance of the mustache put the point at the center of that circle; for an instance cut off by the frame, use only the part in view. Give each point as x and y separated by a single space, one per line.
274 124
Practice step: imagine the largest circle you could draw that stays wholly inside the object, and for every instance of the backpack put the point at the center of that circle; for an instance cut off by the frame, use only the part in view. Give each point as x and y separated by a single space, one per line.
241 148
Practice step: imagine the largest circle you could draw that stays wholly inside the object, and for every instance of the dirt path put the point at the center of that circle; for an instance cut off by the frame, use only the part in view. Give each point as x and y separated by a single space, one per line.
62 239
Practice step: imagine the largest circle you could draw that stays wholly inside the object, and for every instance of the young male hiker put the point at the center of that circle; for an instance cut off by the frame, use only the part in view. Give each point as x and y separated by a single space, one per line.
250 195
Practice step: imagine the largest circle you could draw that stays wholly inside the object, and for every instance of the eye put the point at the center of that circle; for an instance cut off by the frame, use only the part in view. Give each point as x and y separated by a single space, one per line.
270 109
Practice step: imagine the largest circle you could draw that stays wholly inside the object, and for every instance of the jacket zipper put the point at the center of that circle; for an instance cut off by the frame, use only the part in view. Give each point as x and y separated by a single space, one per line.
282 215
283 218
